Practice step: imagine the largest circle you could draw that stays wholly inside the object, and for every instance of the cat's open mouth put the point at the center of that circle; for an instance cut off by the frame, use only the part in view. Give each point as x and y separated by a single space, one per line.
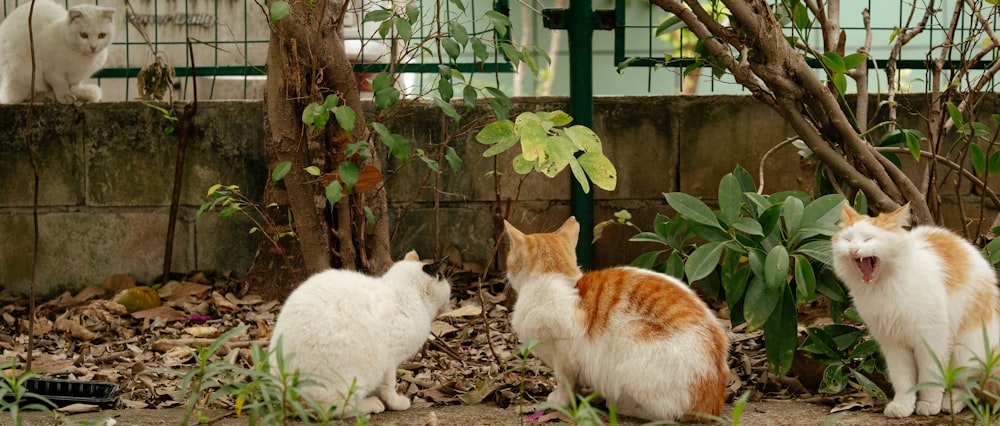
866 267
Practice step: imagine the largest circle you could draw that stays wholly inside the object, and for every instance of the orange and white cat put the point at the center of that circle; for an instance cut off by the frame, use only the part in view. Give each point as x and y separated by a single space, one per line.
917 289
644 340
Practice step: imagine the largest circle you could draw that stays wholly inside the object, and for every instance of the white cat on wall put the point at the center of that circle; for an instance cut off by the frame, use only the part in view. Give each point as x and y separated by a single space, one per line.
70 45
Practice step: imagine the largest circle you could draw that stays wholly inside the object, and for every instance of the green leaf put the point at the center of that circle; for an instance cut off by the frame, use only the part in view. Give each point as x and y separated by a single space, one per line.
498 132
459 4
840 82
819 250
522 166
458 32
386 97
834 380
580 175
956 115
823 210
349 174
280 10
792 212
703 260
454 161
833 62
345 118
978 158
381 81
500 22
583 138
781 334
479 49
334 192
646 260
692 208
431 163
529 59
600 170
377 15
994 165
451 47
853 60
313 170
805 279
730 198
445 89
749 226
315 116
469 96
397 144
510 52
280 171
652 237
674 266
403 28
759 304
559 119
448 109
776 268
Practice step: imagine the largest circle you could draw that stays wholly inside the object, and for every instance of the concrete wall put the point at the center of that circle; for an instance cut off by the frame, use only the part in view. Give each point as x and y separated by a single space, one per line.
107 173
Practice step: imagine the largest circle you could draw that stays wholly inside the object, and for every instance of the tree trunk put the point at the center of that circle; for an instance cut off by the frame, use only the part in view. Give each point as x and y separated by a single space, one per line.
306 62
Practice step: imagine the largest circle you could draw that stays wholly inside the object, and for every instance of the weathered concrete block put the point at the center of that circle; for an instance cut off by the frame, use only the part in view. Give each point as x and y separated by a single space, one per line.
76 250
57 148
720 132
222 244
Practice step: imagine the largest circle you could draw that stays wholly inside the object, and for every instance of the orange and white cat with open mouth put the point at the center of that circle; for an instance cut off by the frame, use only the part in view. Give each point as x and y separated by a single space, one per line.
917 289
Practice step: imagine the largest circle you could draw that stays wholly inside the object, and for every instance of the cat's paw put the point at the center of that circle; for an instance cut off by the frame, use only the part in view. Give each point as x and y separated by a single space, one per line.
87 93
371 405
559 397
927 408
952 408
397 402
898 410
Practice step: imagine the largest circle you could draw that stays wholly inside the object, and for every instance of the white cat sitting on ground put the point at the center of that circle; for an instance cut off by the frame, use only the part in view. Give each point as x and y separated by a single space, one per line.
349 332
918 289
70 46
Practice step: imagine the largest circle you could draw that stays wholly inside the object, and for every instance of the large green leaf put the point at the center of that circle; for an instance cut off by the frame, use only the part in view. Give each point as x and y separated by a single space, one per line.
559 152
674 266
533 138
749 226
580 175
692 208
703 260
349 174
776 268
734 276
280 171
819 250
730 198
759 304
583 138
599 169
781 334
647 260
805 280
791 212
522 166
825 209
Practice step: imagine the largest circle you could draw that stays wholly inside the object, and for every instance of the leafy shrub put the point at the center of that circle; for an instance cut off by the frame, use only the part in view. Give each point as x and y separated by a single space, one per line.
763 255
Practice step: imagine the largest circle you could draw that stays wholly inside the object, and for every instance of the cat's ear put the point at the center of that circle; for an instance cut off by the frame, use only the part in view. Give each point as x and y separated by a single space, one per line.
570 228
850 215
74 15
108 13
516 236
901 216
412 255
436 269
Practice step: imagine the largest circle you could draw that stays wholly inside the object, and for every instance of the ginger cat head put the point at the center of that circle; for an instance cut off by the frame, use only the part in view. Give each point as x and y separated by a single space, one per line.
866 242
546 253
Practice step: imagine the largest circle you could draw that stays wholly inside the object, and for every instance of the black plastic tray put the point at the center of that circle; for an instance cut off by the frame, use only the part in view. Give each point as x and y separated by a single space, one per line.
67 392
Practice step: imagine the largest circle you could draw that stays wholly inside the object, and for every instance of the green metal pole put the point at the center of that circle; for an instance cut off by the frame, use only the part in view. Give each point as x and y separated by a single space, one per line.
581 106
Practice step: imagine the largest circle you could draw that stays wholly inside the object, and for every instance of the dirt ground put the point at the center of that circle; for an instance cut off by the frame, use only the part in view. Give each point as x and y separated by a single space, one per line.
761 413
